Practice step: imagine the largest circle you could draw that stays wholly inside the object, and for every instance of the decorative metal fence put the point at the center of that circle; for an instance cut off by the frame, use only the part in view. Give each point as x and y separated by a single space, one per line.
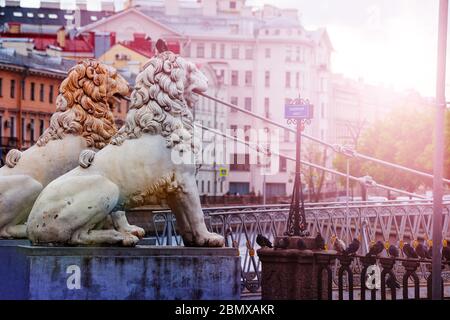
390 221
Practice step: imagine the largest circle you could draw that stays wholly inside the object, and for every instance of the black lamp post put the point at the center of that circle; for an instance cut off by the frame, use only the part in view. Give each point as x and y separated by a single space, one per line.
300 112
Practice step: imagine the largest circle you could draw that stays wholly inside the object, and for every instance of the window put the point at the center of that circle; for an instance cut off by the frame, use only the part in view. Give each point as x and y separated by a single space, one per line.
222 51
248 103
12 92
233 129
41 126
213 50
247 132
200 50
1 87
209 186
12 128
203 186
23 130
234 78
239 188
288 53
22 84
32 91
240 162
50 94
297 54
322 110
267 53
32 130
234 100
266 107
267 79
233 4
234 28
248 78
249 53
288 79
283 164
235 53
297 80
41 92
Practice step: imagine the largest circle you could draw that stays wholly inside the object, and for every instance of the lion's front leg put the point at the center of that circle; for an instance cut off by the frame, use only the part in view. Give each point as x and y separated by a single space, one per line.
121 224
185 203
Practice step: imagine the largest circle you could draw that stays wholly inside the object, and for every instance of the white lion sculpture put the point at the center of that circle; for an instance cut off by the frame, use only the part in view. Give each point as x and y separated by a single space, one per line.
136 169
83 119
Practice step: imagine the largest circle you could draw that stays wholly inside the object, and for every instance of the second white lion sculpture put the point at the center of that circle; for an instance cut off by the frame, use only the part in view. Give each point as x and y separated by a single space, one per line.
137 168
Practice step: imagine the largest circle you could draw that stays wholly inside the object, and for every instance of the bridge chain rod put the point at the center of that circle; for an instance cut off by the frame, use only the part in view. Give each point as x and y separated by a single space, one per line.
335 148
258 149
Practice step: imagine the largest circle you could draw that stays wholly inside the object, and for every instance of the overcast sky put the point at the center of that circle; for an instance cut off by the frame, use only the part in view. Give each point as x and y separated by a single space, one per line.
390 42
383 41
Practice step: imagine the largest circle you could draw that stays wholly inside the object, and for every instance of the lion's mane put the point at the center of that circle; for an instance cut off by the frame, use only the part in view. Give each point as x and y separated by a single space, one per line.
158 104
82 107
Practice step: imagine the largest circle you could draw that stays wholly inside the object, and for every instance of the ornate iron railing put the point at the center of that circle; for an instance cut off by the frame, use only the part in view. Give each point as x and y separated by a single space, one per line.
391 221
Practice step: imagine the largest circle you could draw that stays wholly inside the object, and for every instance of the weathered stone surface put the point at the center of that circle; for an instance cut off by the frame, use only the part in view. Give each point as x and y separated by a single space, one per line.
12 270
290 274
142 272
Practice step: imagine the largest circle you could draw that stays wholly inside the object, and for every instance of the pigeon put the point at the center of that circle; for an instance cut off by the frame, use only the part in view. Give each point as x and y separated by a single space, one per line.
161 46
409 251
301 244
263 242
320 242
391 282
393 251
353 247
376 249
445 251
430 249
421 250
339 245
282 243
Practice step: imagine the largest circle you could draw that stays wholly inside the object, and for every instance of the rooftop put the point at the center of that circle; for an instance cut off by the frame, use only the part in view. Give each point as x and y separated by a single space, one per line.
35 61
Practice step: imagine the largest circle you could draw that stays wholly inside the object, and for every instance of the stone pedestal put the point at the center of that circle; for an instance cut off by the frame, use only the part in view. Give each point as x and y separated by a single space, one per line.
291 274
12 270
143 272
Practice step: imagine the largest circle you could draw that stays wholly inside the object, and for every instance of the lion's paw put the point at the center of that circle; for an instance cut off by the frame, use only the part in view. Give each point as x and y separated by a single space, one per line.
129 240
209 240
136 231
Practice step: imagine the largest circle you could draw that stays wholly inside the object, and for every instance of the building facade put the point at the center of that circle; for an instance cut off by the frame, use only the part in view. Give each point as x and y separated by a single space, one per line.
256 59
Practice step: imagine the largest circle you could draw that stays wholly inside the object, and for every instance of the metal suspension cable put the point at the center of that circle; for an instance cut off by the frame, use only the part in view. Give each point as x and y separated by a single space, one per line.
335 172
350 153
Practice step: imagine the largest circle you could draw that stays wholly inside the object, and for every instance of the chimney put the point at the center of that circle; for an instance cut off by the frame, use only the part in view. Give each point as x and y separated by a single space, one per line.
209 7
171 7
112 38
61 37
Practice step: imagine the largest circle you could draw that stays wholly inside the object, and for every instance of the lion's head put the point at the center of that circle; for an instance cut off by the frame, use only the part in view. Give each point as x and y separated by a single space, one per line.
161 99
84 104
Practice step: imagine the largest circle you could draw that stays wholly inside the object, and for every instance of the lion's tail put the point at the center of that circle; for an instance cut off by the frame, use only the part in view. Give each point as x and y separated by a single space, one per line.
13 157
86 158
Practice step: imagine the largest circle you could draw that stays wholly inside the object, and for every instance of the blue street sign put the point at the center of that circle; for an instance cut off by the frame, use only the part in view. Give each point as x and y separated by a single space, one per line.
298 111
